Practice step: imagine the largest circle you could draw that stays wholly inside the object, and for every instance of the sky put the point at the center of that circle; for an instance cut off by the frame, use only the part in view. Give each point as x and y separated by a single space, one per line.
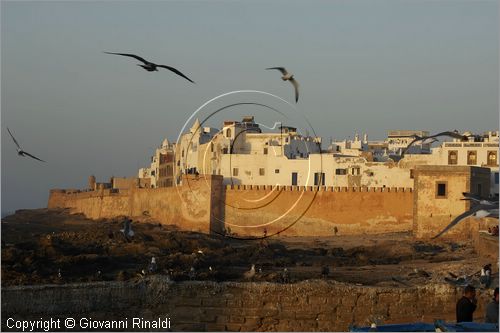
363 66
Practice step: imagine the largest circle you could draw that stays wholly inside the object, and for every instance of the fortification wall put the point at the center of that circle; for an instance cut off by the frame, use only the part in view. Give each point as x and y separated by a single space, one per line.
313 211
433 212
230 306
189 206
247 210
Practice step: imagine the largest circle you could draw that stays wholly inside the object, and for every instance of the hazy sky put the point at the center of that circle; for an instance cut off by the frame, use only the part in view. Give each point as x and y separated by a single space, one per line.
362 65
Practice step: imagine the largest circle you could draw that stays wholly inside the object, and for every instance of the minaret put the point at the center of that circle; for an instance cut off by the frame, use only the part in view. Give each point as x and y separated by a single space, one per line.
165 143
92 182
196 126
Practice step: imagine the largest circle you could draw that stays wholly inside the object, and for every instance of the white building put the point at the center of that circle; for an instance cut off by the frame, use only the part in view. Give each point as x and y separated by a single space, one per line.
391 147
157 162
243 155
187 151
479 151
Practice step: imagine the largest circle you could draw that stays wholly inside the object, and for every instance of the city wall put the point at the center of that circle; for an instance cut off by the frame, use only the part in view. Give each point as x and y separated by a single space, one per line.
204 204
189 207
233 306
312 211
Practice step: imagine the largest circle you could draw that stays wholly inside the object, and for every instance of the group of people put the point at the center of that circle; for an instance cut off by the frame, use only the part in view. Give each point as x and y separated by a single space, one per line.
468 304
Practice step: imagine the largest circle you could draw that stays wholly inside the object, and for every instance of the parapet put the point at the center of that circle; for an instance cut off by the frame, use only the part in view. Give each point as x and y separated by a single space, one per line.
289 188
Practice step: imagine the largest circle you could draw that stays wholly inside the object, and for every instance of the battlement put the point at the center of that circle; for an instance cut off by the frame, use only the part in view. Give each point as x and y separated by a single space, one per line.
317 188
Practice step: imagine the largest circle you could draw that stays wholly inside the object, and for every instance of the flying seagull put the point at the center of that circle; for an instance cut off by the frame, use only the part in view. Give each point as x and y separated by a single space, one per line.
482 209
432 138
151 67
479 199
20 151
289 77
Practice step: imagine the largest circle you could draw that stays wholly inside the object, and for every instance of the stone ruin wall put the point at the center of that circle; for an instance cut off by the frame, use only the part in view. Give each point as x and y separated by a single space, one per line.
233 306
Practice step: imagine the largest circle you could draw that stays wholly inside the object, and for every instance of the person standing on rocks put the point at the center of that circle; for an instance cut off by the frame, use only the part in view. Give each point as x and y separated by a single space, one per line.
492 309
466 305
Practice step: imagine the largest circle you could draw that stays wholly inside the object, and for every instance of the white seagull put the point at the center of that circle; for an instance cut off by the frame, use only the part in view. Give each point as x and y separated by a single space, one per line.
20 151
482 208
250 274
289 77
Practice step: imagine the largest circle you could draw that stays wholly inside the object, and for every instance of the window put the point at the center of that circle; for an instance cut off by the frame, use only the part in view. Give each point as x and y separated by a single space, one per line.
228 133
452 157
496 178
182 153
319 178
341 171
412 173
294 178
441 190
265 151
211 147
492 158
355 171
471 157
235 171
262 171
276 170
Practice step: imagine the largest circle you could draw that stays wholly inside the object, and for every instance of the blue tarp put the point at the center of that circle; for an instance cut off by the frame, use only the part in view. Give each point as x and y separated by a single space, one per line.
413 327
466 327
426 327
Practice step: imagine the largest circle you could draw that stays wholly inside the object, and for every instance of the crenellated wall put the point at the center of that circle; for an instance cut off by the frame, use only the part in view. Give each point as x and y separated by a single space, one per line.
204 204
189 206
317 211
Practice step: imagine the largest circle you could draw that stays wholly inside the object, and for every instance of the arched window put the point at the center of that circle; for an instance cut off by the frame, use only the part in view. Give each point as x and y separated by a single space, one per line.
452 157
228 133
471 157
492 158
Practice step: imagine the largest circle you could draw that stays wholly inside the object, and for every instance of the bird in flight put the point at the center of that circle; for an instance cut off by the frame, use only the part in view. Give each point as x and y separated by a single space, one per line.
149 66
432 138
482 208
289 77
20 151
